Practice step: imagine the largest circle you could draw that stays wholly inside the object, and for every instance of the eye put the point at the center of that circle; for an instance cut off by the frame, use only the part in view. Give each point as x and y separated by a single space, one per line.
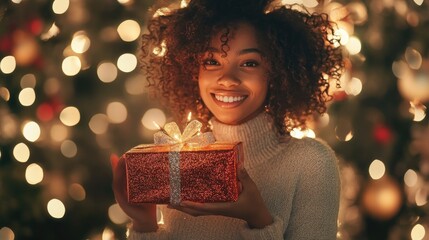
250 64
210 64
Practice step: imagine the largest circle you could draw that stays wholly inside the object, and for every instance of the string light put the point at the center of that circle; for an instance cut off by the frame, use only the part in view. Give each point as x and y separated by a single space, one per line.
60 6
34 174
116 112
21 152
56 208
70 116
71 65
377 169
127 62
107 72
31 131
129 30
8 64
418 232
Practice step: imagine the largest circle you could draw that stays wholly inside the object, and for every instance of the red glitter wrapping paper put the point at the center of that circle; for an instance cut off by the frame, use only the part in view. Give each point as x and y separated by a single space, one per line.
207 174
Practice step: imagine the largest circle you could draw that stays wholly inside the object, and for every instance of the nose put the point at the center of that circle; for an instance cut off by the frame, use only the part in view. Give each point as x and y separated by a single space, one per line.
229 79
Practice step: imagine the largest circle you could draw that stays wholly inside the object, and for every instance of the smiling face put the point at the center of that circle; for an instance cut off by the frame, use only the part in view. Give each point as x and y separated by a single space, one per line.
234 87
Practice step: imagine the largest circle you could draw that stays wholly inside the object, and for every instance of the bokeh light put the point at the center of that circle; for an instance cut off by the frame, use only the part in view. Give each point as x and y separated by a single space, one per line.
59 132
6 234
80 42
135 85
354 45
34 174
116 112
56 208
77 192
153 115
28 81
107 72
31 131
117 215
27 96
410 178
60 6
418 232
8 64
69 149
299 133
4 93
21 152
376 169
127 62
129 30
70 116
99 123
71 65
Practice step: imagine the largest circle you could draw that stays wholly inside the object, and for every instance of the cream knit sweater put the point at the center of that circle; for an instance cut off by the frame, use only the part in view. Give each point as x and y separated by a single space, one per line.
298 180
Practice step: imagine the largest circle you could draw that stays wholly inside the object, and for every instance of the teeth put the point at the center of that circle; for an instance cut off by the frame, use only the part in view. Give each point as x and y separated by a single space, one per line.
229 99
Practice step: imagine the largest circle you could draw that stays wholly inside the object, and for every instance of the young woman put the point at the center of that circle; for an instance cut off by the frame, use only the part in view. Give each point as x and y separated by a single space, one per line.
251 72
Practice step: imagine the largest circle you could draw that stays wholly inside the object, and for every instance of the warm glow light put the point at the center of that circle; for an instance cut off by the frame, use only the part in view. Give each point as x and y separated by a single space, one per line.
4 93
160 51
56 208
413 58
353 87
349 136
183 4
59 132
107 234
162 12
5 232
77 192
28 81
60 6
410 178
107 72
354 45
31 131
70 116
21 152
116 112
16 1
421 197
52 32
34 174
135 85
418 232
298 133
377 169
8 64
310 3
69 149
418 2
124 2
344 35
419 111
99 123
80 42
129 30
127 62
116 214
153 115
71 65
27 96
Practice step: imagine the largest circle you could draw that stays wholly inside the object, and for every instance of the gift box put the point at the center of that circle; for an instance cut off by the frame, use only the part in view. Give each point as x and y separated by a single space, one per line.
183 166
203 173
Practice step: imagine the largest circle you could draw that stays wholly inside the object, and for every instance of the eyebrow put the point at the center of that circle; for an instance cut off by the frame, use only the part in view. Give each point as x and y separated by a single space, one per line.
241 52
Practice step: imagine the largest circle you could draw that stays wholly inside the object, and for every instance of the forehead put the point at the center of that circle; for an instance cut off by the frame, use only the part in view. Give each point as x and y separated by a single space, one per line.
239 35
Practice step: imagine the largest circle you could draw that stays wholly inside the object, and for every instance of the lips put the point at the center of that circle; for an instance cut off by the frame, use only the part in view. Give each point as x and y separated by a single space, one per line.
228 100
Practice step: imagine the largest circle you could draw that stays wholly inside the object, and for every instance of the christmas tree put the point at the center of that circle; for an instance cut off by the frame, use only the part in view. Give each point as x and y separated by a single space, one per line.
72 96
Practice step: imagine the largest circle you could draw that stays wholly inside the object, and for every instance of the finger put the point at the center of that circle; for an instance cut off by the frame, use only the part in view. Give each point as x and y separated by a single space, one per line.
114 161
213 208
243 176
190 211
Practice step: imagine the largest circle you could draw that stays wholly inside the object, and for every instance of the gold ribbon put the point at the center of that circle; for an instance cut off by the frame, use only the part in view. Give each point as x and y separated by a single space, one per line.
192 136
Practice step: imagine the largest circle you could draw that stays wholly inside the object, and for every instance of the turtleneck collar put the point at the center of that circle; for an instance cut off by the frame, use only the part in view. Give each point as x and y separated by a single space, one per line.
258 135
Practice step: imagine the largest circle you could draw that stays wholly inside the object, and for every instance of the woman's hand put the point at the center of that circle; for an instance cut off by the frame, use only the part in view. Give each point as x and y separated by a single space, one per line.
250 206
142 215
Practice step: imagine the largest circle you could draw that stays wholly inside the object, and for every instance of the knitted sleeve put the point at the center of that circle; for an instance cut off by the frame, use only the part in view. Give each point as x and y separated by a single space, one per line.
316 202
270 232
161 234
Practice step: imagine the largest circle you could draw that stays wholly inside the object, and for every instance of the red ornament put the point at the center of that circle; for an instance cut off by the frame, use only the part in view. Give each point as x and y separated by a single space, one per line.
45 112
340 95
35 26
382 134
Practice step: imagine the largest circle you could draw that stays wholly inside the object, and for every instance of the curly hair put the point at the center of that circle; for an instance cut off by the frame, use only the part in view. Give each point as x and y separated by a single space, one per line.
300 48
